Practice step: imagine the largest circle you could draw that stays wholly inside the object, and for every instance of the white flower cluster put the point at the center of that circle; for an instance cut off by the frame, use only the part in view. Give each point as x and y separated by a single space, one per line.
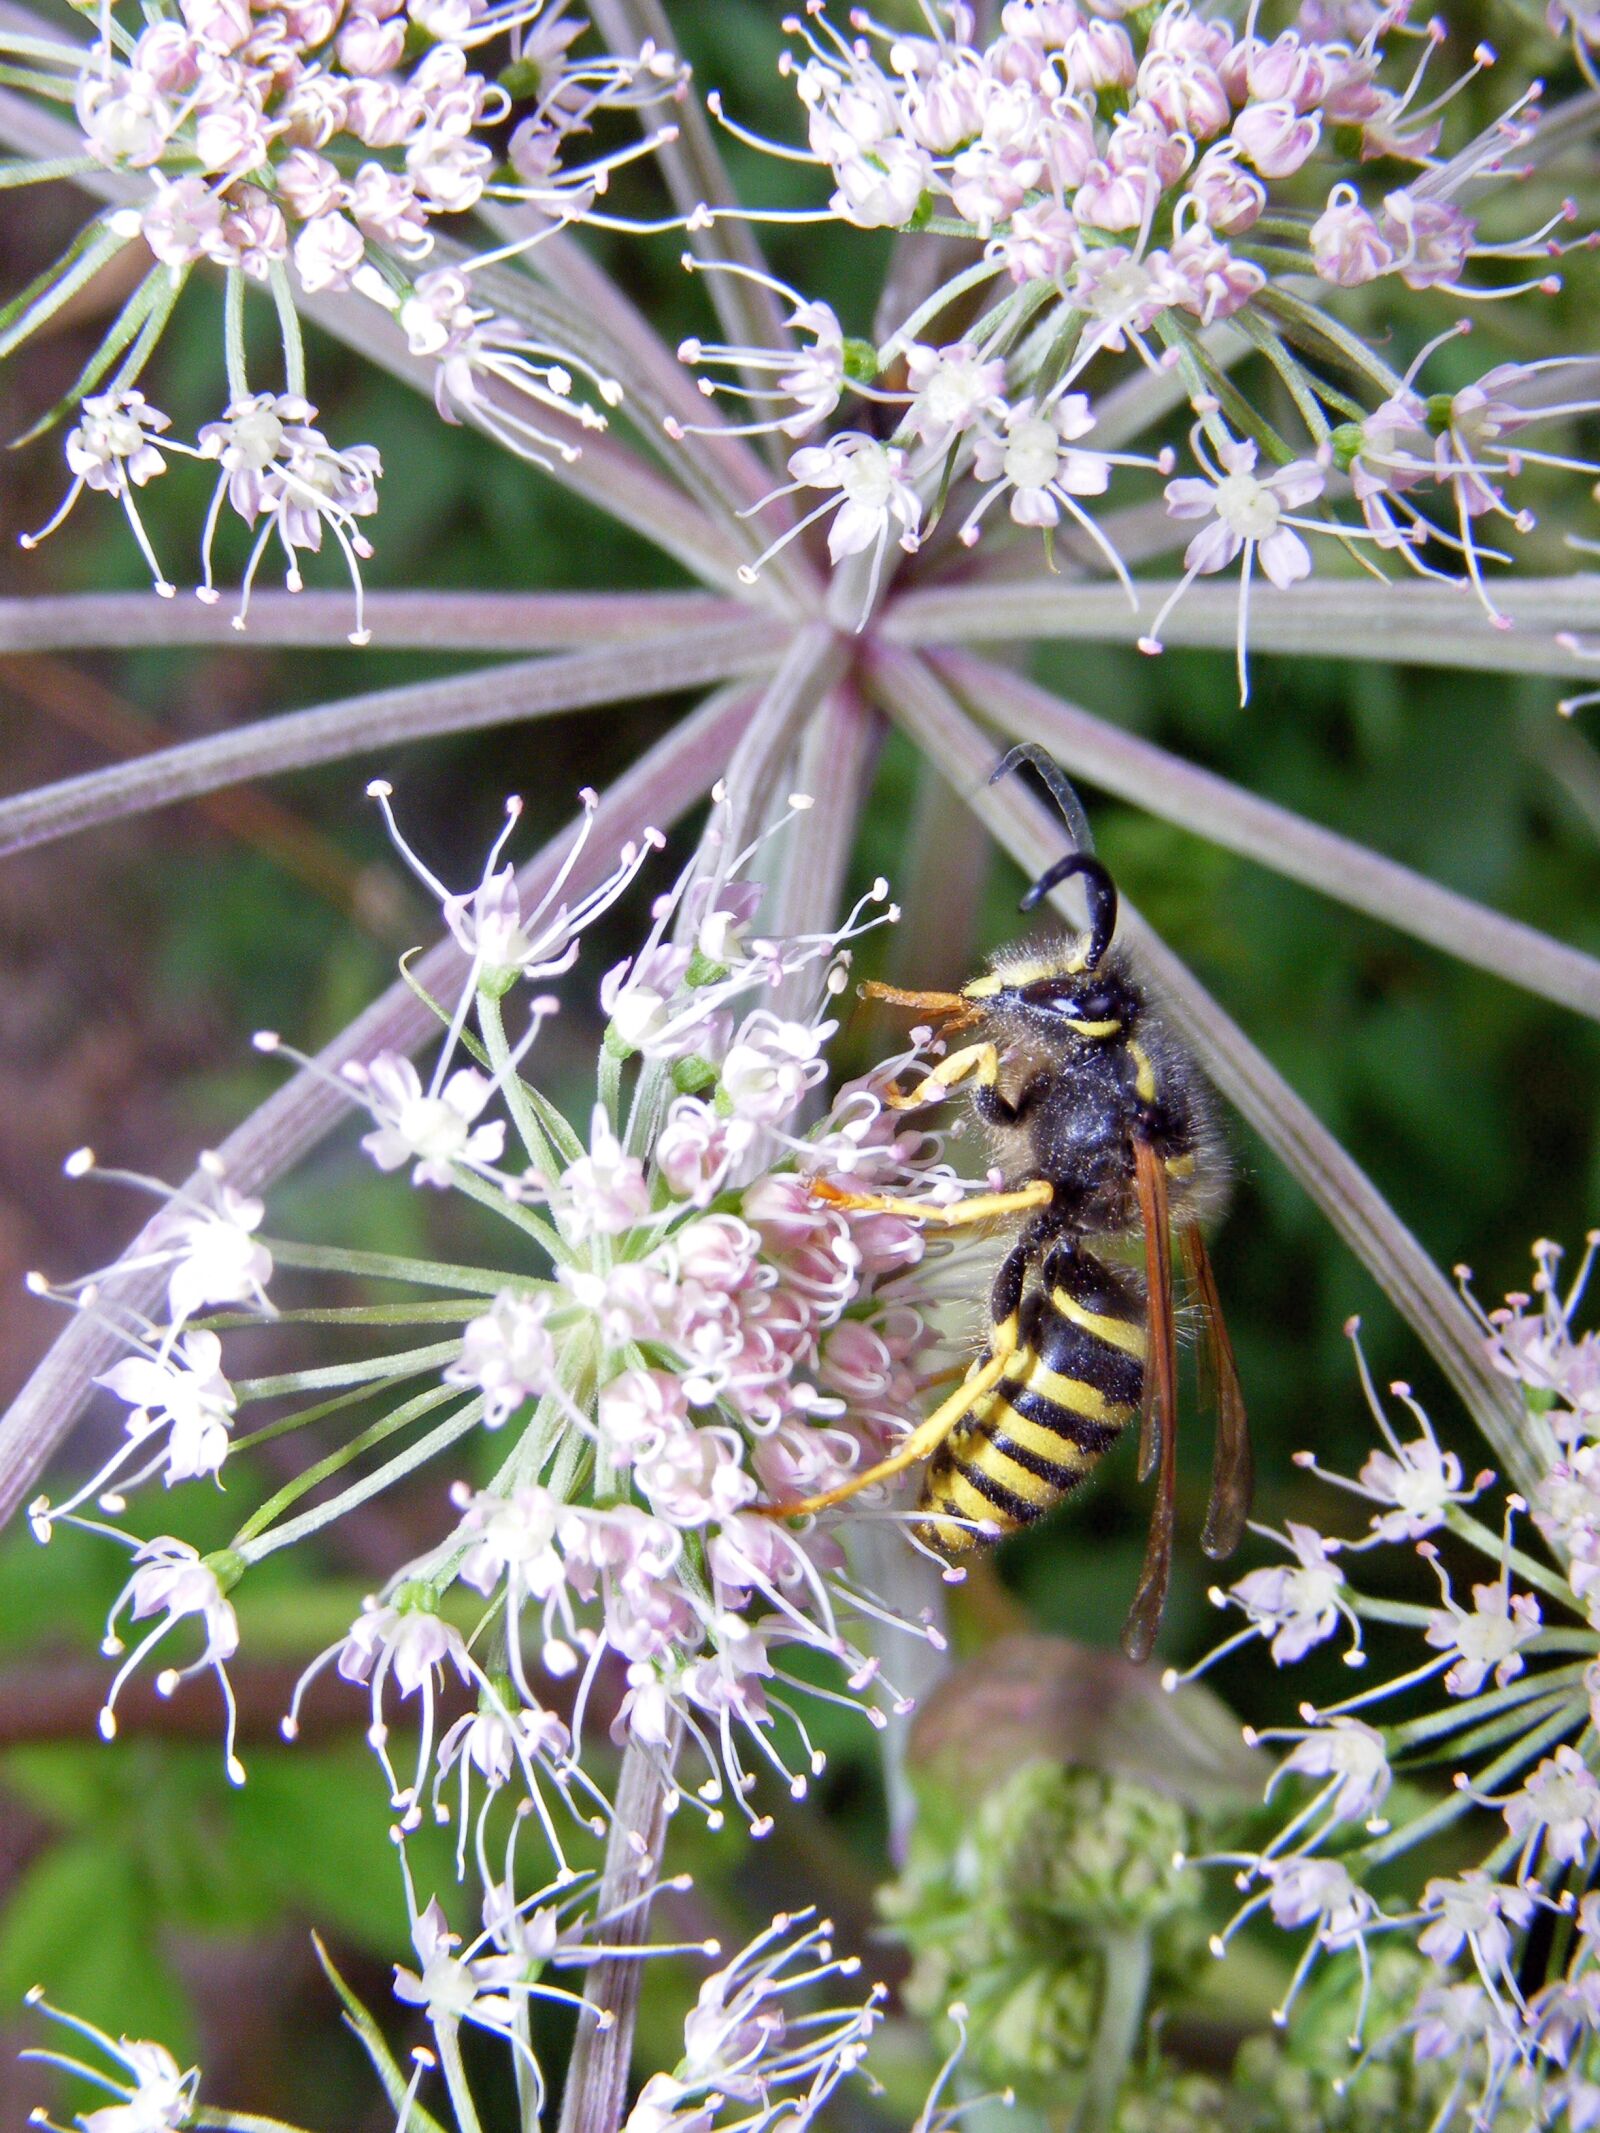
331 134
750 2062
1515 2033
1136 179
314 146
710 1338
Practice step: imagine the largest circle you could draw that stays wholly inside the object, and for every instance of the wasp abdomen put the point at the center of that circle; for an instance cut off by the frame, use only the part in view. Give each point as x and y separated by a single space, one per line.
1069 1388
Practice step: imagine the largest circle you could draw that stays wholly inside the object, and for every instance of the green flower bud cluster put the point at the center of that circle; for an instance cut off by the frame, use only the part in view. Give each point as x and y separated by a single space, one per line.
1041 1906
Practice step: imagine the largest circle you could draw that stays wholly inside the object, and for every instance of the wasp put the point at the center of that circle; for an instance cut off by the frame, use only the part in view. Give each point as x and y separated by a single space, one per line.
1105 1135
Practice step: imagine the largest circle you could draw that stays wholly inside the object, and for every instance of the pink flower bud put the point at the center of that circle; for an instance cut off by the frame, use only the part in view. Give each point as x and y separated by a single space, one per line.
1203 276
386 207
1228 197
327 252
1346 242
310 23
224 25
380 113
168 56
183 223
1187 94
1115 199
367 46
308 184
1432 240
1040 244
1275 138
254 233
1097 56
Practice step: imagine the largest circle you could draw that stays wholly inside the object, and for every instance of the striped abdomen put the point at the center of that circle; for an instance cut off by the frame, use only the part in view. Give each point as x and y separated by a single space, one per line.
1069 1388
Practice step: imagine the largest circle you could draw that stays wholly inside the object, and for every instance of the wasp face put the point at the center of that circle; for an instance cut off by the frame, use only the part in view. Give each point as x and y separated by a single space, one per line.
1077 1004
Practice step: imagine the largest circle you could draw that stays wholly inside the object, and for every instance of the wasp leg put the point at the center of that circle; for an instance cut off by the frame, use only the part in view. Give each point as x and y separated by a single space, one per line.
980 1059
924 1439
933 1003
981 1207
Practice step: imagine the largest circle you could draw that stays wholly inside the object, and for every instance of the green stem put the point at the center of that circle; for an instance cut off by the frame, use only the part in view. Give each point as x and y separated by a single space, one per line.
428 1447
1451 1809
491 1021
448 2035
233 333
294 351
387 1266
1297 381
1305 321
1204 380
543 1233
1434 1725
409 1363
1122 1999
398 1418
1491 1544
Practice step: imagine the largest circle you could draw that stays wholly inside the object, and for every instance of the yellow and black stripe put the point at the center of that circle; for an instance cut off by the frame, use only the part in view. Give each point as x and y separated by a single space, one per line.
1070 1385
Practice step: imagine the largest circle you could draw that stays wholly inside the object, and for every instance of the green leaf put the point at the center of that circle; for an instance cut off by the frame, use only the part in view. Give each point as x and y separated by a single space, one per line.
79 1922
88 252
372 2039
143 316
317 1829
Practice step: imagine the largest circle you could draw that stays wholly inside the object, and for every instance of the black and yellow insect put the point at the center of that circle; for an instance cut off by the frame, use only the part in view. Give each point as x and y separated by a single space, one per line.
1105 1134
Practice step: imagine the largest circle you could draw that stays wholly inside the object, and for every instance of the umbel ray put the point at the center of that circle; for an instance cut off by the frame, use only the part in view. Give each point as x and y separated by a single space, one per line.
1105 1134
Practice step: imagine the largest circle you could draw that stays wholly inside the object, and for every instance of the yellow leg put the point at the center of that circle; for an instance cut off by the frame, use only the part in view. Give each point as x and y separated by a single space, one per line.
980 1059
933 1003
924 1440
981 1207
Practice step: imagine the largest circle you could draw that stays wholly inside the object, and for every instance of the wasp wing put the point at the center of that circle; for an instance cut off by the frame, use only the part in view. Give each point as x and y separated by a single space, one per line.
1233 1468
1158 1436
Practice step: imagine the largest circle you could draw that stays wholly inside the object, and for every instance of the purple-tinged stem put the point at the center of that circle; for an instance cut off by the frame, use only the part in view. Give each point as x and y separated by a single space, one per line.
387 718
1226 814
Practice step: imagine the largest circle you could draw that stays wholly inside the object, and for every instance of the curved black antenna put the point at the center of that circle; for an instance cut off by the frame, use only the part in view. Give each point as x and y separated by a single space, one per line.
1100 889
1102 895
1054 779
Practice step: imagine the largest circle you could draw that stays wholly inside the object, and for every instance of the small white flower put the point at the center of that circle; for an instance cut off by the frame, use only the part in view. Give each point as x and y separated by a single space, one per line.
154 2096
769 1067
1487 1640
508 1354
1475 1909
173 1581
737 2042
1295 1607
604 1193
113 448
1308 1891
185 1390
218 1259
1560 1802
952 389
1248 514
430 1128
1421 1480
1352 1757
406 1639
874 496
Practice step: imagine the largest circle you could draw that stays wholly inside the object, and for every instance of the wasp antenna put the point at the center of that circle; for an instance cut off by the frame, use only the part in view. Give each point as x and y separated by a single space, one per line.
1054 779
1100 889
